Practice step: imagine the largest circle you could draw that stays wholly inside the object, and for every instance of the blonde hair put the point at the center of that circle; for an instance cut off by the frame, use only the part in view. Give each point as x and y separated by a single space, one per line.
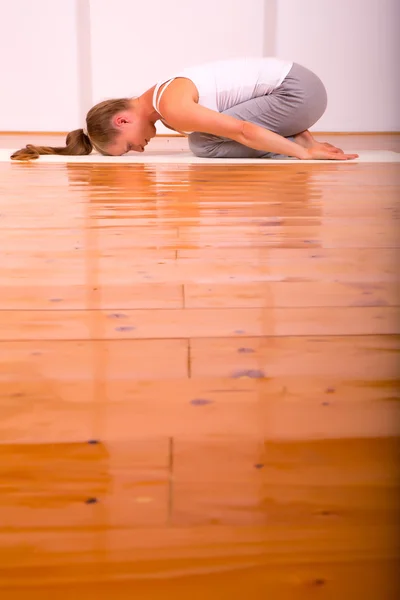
100 133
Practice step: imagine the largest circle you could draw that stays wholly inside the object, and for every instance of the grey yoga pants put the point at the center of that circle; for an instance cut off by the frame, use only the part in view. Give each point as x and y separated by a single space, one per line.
297 104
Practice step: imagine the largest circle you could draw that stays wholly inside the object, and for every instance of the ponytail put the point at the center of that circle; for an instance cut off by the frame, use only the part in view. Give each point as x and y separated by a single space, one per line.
77 143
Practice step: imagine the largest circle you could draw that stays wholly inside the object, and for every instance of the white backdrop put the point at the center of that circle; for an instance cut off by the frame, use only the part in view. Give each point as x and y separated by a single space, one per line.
354 46
152 40
58 57
38 65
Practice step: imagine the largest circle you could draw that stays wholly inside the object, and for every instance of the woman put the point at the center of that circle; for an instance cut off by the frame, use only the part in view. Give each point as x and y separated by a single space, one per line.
238 108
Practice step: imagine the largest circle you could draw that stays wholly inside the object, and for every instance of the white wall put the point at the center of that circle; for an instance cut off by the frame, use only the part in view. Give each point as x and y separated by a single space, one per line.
353 45
136 43
58 57
38 65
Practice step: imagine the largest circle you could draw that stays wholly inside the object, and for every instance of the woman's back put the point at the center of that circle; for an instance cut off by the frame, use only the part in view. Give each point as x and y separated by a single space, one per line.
226 83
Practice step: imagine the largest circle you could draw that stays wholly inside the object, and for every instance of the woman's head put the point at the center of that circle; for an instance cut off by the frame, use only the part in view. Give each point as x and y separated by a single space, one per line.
113 127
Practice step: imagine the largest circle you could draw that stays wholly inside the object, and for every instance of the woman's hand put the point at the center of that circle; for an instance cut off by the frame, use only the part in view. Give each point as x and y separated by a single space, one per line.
325 146
320 151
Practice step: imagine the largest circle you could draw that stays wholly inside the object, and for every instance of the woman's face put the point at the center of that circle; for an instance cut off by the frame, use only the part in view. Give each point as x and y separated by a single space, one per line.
135 134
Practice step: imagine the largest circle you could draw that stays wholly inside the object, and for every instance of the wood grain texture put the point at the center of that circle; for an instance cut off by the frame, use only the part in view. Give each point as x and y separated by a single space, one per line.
199 381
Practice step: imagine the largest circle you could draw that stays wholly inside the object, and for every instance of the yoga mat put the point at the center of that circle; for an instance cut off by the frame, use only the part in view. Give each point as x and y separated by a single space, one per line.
183 157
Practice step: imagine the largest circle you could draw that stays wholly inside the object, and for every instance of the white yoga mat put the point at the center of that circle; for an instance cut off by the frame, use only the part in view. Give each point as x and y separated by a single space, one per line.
181 157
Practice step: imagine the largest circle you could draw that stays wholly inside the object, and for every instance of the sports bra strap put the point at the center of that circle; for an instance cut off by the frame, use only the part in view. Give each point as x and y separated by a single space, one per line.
156 102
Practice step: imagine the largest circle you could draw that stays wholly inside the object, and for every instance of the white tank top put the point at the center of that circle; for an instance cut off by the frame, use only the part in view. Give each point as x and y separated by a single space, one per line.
226 83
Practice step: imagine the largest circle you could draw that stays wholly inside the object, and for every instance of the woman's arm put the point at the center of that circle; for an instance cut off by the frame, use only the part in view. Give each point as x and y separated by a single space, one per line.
190 116
259 138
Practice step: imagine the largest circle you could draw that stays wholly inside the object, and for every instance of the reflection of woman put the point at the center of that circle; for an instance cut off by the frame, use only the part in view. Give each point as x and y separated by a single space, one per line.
239 108
185 195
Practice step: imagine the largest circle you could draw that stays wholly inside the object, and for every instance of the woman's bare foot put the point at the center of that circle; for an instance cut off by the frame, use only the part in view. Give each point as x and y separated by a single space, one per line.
306 140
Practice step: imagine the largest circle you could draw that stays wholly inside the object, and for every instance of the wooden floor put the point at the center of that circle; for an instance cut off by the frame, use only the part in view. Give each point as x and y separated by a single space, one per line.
199 380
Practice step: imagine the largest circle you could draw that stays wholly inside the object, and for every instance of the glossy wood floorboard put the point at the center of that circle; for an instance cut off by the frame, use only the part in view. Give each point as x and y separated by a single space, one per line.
199 381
